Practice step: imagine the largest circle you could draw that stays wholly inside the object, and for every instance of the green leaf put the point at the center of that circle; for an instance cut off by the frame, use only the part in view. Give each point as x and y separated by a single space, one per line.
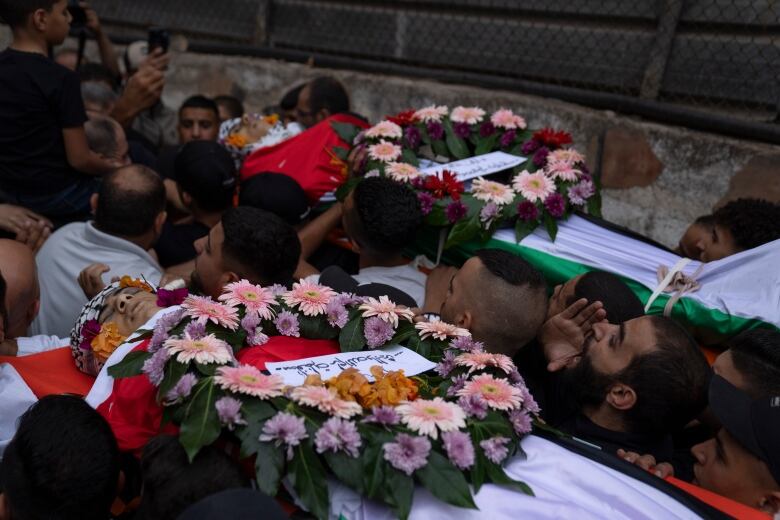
201 425
207 370
404 331
255 413
523 228
497 475
437 217
594 204
374 465
400 490
130 366
312 327
440 148
408 156
456 145
445 481
173 372
343 190
551 225
351 338
348 469
345 131
308 478
487 144
341 152
269 464
463 231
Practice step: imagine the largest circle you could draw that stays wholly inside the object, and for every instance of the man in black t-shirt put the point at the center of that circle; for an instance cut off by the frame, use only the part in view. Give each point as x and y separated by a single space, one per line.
45 162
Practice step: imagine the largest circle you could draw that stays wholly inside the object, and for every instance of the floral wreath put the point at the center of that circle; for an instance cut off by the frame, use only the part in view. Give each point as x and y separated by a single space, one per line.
552 183
92 343
449 431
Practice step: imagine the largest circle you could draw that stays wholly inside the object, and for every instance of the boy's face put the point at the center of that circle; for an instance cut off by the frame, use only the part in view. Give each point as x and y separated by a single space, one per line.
55 22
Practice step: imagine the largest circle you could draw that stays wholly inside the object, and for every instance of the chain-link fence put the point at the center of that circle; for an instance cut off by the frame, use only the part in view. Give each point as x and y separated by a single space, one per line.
696 57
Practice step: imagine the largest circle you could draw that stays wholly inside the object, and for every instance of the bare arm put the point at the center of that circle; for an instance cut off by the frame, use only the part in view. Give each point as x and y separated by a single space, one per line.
80 157
313 235
107 53
143 89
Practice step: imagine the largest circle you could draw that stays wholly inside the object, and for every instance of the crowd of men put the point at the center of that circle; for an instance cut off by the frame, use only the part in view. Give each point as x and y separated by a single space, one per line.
100 179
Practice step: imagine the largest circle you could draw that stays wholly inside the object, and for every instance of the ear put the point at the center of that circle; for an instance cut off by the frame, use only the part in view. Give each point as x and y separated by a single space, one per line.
229 277
159 222
40 19
93 202
323 114
465 320
186 198
32 312
771 503
621 397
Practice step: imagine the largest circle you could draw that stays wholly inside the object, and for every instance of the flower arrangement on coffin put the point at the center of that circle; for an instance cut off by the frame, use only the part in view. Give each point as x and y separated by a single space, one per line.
552 183
449 431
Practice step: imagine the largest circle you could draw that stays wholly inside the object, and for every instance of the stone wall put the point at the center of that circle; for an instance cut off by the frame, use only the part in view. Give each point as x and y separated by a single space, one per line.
657 178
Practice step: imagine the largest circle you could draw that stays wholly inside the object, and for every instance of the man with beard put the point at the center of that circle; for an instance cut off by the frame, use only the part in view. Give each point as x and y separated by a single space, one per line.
627 386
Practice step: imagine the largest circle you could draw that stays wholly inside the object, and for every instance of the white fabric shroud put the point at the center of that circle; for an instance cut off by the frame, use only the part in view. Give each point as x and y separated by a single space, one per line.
746 284
566 485
15 398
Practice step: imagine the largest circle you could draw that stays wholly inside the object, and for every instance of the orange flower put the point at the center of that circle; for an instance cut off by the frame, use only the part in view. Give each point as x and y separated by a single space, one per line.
237 140
105 343
390 388
272 119
351 385
126 281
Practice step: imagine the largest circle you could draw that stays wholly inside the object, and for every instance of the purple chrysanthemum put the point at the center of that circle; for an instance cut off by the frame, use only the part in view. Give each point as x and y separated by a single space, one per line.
462 130
347 299
377 332
488 212
408 453
515 378
154 367
163 327
540 157
284 428
458 382
529 403
580 193
521 421
383 415
338 435
487 129
455 211
426 202
555 204
447 364
181 390
495 448
229 412
412 136
466 344
435 130
337 314
459 448
474 405
530 147
287 324
278 289
527 211
507 138
254 330
195 330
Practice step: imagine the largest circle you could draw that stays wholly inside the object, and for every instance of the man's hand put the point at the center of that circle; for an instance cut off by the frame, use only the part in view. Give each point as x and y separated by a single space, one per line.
91 281
563 335
29 227
34 235
436 286
93 21
143 89
647 463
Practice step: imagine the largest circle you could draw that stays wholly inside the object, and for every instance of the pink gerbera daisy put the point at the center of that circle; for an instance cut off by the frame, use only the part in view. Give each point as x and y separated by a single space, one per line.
569 156
325 400
384 151
533 186
562 170
497 393
206 350
428 417
469 115
246 379
385 129
311 298
203 309
507 120
385 310
439 330
491 191
256 299
431 114
480 360
402 172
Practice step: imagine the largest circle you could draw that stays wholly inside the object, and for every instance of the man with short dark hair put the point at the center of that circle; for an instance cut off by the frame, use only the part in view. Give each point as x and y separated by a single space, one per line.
617 298
247 244
107 139
320 98
198 119
69 474
129 215
230 107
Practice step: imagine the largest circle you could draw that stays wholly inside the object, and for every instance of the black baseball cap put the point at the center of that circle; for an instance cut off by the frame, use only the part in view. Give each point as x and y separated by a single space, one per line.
754 423
276 193
235 503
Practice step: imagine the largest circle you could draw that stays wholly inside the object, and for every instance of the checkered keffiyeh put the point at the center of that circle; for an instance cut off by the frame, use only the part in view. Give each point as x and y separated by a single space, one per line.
85 361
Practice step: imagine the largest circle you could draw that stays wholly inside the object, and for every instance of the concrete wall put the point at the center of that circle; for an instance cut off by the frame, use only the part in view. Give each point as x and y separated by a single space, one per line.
657 178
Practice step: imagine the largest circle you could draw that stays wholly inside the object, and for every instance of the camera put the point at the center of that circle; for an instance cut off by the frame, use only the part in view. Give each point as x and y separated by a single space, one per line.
79 15
158 39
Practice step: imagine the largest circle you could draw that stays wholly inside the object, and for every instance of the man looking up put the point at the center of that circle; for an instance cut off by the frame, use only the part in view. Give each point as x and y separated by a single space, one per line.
499 297
129 215
320 98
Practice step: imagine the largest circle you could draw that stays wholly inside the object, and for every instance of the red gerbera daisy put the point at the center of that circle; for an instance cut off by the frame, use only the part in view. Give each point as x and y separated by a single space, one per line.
552 139
444 185
404 118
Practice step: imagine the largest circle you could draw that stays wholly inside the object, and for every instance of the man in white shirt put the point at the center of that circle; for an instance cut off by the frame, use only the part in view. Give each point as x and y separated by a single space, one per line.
129 215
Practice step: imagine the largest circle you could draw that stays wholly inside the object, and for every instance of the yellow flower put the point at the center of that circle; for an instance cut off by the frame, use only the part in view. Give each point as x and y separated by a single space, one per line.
237 140
126 281
272 119
105 343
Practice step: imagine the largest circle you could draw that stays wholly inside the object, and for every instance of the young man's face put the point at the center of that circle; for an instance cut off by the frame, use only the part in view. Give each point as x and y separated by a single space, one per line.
459 293
303 111
129 308
198 124
208 277
718 243
57 23
611 348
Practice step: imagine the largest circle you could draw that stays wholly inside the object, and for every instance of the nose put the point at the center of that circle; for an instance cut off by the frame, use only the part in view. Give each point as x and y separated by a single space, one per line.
196 131
122 302
699 451
601 329
198 245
